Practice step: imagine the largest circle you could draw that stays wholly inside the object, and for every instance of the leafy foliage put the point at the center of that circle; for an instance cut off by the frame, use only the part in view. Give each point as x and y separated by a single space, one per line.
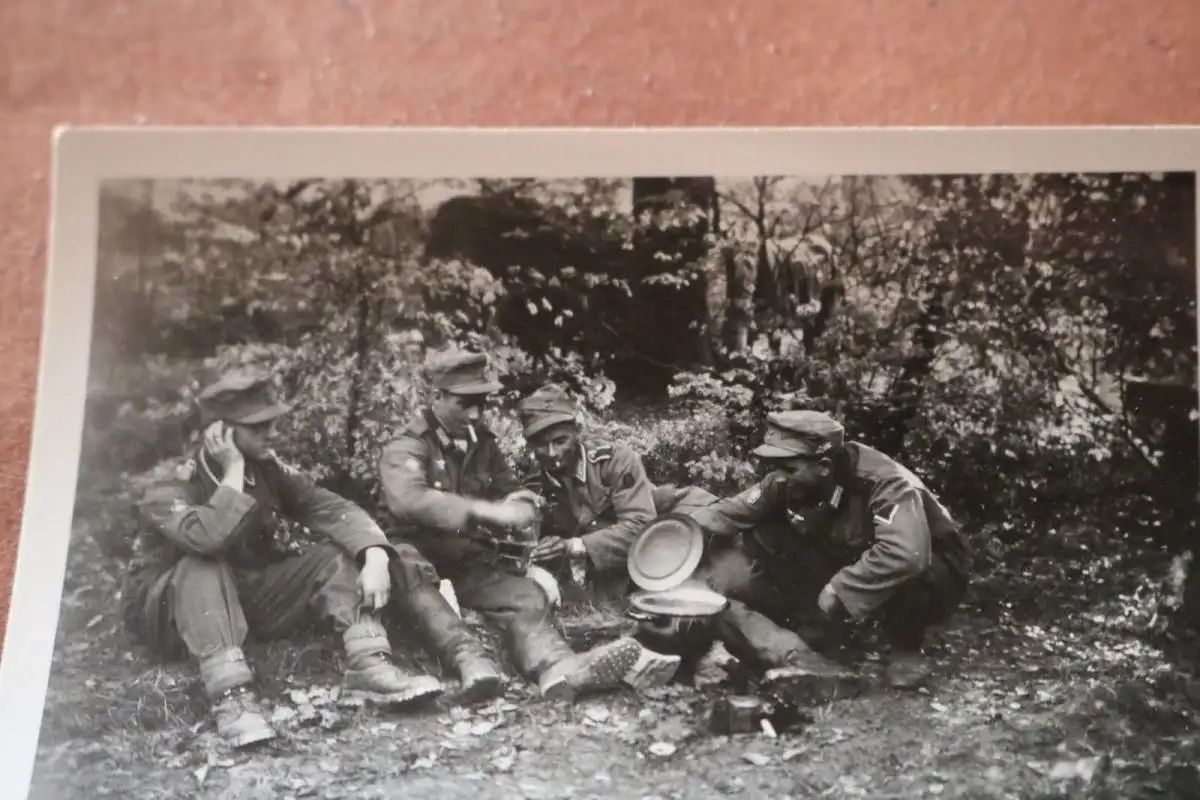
997 333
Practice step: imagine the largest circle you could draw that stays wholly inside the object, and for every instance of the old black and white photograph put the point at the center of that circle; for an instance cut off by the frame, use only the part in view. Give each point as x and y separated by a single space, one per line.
666 483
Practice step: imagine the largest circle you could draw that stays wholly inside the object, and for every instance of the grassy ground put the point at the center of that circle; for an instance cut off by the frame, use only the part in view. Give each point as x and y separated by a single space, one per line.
1042 691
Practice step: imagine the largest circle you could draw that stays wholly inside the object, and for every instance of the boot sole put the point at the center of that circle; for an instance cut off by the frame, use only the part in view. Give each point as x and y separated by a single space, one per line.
410 697
623 662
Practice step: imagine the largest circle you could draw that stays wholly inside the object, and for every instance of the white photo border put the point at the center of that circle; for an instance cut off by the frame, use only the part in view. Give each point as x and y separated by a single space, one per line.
84 157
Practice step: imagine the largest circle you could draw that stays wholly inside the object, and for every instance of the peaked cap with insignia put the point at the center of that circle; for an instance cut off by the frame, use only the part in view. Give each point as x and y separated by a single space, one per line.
800 434
548 406
461 372
245 395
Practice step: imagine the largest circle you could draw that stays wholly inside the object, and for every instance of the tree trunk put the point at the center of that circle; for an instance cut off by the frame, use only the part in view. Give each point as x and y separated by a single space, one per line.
737 319
907 392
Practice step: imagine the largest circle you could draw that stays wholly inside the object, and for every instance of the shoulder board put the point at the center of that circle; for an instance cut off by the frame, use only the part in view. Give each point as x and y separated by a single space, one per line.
481 429
171 491
753 495
417 426
600 453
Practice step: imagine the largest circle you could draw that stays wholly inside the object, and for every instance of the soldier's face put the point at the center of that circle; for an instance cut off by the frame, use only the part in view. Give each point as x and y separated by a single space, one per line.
457 412
254 440
805 476
555 448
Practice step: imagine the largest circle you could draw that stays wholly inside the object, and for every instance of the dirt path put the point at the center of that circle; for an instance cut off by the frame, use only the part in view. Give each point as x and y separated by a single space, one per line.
1019 709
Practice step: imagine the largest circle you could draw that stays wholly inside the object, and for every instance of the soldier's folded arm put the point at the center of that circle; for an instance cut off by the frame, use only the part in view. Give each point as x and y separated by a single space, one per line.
328 514
902 551
633 505
202 529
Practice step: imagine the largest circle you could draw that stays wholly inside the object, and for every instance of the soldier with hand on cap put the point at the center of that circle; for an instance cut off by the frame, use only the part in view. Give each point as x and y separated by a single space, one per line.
598 497
208 571
850 520
447 483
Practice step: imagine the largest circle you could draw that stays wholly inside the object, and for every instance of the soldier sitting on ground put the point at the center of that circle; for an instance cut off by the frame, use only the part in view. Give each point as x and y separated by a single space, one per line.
597 496
209 570
839 527
454 495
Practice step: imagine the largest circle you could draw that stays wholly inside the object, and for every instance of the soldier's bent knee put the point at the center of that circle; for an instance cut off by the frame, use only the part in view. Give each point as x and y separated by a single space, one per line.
730 572
526 596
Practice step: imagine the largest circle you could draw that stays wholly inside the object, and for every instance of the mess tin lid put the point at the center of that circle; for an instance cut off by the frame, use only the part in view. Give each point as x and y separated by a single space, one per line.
682 601
666 553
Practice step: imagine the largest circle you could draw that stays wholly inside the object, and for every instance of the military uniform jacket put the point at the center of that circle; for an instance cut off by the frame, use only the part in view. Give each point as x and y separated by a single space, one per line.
196 515
884 525
606 503
428 485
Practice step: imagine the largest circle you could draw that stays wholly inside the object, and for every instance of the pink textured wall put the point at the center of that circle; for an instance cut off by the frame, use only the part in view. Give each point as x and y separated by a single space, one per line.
543 62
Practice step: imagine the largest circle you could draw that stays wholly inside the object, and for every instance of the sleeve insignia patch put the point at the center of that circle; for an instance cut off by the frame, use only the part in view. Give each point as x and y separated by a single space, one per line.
882 520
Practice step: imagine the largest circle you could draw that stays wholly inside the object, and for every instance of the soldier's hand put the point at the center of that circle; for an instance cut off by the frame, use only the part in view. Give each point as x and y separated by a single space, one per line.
218 440
830 605
374 579
549 548
515 516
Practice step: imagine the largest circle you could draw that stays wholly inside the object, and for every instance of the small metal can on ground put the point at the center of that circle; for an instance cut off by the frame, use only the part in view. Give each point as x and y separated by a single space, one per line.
737 714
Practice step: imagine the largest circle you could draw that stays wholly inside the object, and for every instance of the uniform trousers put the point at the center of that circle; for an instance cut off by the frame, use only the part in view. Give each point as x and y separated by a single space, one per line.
514 603
769 599
205 607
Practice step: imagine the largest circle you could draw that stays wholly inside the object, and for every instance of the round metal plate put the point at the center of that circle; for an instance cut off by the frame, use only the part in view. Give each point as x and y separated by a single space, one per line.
666 553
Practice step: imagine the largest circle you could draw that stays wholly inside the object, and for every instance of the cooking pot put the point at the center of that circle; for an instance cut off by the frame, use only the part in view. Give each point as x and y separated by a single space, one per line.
679 619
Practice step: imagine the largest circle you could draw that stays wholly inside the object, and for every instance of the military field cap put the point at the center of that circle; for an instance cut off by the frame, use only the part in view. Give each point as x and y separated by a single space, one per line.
545 407
792 434
460 372
244 395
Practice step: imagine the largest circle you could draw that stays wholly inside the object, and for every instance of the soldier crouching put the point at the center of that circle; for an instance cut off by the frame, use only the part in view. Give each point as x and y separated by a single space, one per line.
448 484
837 528
208 574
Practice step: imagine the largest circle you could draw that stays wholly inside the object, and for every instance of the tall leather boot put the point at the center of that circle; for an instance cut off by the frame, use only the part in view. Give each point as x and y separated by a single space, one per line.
372 676
240 718
455 645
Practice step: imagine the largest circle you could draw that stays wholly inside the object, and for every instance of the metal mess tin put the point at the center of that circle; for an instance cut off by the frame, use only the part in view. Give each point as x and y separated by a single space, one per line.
736 714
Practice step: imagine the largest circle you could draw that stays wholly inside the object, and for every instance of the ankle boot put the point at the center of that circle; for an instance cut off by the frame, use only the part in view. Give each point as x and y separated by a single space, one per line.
370 674
455 645
624 661
235 706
